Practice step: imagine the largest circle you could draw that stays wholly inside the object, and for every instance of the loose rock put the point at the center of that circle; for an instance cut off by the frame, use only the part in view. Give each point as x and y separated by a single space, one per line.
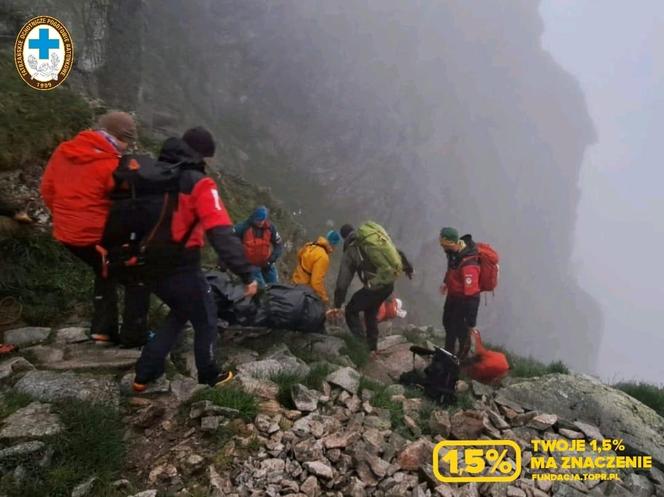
52 386
33 421
346 378
543 421
320 469
13 366
304 398
30 335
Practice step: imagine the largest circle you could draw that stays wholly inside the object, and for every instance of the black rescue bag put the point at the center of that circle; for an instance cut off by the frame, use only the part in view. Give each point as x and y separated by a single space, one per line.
439 377
287 307
293 307
137 241
232 306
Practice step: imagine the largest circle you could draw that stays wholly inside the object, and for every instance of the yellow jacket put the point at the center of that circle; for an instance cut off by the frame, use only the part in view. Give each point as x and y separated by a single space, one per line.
313 263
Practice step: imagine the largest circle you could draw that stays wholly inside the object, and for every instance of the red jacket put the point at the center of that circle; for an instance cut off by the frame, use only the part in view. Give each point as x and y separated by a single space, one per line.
75 187
200 205
463 271
198 202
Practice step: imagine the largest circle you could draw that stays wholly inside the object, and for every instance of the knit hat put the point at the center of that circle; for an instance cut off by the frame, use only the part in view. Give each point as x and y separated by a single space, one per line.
120 125
260 214
450 234
346 230
333 237
201 140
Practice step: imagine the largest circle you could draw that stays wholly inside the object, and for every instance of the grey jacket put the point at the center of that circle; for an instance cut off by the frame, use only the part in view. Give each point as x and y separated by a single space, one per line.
353 262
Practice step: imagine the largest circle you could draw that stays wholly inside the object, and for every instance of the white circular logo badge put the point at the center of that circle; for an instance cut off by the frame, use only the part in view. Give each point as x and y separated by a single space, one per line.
43 53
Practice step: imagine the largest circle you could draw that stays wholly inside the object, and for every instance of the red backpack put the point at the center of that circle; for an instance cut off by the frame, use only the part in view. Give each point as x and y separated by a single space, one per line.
257 250
487 366
489 267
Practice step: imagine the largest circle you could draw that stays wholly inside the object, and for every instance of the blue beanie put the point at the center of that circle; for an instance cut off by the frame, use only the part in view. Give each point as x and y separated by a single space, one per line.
333 237
260 214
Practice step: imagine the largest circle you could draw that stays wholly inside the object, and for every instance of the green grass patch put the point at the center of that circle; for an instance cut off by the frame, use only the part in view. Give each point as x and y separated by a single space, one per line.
306 354
317 375
369 384
528 367
557 367
233 397
11 401
91 444
464 401
416 336
33 123
650 395
45 278
382 399
357 349
286 380
428 406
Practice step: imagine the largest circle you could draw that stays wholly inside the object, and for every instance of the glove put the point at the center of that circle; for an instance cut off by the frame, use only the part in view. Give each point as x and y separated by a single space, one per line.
250 289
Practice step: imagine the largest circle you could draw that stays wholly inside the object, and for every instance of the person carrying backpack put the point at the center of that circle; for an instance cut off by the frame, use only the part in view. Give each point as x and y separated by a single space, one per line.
200 212
369 252
76 188
313 261
262 245
471 268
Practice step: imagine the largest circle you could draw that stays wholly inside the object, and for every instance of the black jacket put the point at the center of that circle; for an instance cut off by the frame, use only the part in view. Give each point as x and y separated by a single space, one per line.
222 238
454 259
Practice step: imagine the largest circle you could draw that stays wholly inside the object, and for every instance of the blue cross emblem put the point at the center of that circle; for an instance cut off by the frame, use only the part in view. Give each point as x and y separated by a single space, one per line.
43 43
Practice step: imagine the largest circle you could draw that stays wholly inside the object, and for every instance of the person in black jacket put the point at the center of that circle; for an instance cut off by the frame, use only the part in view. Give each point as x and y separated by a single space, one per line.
200 213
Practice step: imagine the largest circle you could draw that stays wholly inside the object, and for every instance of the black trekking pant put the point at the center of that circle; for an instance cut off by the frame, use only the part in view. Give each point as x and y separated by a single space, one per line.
459 315
367 300
189 296
105 304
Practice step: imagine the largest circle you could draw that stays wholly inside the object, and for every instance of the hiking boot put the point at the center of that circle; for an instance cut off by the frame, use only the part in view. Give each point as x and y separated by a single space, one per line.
6 348
100 337
222 379
139 387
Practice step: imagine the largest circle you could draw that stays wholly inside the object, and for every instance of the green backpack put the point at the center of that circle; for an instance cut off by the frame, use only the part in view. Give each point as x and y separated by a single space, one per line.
377 246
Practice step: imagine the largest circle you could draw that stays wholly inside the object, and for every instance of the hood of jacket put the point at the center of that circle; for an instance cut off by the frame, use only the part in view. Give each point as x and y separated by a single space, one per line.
88 146
455 258
350 240
175 150
470 248
323 242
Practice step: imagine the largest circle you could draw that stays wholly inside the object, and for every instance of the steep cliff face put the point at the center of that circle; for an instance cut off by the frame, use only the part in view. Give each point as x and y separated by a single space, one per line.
417 114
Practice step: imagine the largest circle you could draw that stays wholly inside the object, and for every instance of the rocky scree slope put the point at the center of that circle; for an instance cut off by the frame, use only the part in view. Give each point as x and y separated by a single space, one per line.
300 420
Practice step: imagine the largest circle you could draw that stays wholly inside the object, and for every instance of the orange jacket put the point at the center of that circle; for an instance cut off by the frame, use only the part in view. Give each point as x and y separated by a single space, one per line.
313 261
76 186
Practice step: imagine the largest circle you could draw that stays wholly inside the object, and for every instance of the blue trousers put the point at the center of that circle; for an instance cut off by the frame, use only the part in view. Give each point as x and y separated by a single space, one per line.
189 297
266 275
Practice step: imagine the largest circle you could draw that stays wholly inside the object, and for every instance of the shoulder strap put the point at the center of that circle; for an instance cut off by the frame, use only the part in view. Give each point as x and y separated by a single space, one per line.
470 259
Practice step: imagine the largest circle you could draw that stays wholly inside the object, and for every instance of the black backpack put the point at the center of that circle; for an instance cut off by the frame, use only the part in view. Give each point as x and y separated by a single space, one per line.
137 241
440 376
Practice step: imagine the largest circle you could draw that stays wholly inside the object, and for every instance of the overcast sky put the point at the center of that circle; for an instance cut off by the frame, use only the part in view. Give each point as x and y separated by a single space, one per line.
616 51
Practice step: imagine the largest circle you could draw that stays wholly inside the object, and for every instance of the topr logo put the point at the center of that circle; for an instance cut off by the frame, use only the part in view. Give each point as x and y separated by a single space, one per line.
43 53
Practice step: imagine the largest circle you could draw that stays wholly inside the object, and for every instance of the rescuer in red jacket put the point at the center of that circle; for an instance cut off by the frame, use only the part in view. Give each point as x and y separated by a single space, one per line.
75 187
186 290
461 285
